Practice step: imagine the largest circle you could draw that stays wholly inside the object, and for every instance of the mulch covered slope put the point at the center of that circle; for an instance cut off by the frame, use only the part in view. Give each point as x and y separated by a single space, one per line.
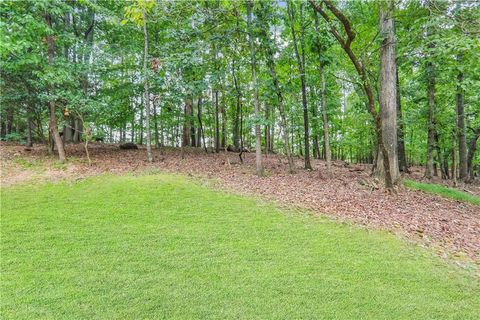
350 194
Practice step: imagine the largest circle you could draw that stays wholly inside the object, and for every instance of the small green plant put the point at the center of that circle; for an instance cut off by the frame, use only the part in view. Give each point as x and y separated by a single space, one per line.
31 164
14 137
443 191
59 166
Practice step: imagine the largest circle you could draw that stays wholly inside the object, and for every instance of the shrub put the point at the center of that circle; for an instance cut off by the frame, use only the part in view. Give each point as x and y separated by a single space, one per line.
14 137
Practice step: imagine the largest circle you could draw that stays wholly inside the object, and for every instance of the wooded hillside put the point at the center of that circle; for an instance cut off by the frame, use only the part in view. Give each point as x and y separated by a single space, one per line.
392 83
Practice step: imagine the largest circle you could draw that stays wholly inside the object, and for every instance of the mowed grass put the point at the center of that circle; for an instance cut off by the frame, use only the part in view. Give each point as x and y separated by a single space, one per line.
159 246
443 191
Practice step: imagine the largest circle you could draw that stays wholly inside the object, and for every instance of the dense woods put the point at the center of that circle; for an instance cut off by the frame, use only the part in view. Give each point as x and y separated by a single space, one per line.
392 83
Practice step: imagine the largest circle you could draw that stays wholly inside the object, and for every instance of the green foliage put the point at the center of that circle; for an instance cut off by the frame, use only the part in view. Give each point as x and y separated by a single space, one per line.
97 68
14 137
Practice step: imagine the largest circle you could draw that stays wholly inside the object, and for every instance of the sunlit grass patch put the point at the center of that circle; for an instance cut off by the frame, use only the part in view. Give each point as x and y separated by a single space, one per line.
443 191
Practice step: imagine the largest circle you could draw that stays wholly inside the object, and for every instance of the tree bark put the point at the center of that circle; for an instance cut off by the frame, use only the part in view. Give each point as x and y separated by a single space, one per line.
301 70
3 128
147 94
431 121
9 120
30 113
461 129
315 128
388 88
199 119
323 95
402 159
68 131
132 129
439 156
326 136
29 142
140 131
273 74
78 129
238 95
471 153
155 124
359 65
192 124
217 124
236 119
223 141
258 142
454 161
187 114
200 125
53 118
267 130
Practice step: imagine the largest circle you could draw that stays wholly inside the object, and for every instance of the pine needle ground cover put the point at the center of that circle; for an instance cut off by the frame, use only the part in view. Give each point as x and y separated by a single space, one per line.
161 246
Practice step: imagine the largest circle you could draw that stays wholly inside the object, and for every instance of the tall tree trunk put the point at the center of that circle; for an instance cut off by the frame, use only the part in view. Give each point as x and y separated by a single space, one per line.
323 94
140 131
258 142
193 139
439 156
53 118
388 88
201 132
326 136
402 159
29 142
199 119
132 129
147 94
155 124
301 70
9 120
315 129
236 119
471 153
454 160
431 121
78 130
272 132
50 142
461 130
267 129
3 128
238 96
187 121
217 124
345 42
241 136
30 113
224 124
430 70
68 132
273 73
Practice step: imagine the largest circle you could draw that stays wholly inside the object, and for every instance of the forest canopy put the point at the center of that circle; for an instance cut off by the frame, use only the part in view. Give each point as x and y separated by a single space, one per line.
392 83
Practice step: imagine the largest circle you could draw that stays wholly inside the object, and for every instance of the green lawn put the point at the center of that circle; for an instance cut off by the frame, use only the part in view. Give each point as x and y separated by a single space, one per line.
159 246
443 191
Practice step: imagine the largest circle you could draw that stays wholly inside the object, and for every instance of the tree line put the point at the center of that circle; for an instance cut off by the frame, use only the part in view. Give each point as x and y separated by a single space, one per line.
393 83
